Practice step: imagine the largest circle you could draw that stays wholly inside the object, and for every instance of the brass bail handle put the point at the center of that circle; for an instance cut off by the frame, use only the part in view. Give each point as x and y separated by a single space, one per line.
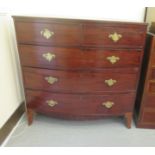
108 104
51 80
48 56
115 36
46 33
110 82
51 103
113 59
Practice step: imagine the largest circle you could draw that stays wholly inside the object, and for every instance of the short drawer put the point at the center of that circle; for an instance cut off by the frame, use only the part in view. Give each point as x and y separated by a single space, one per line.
77 58
115 36
79 82
48 33
76 105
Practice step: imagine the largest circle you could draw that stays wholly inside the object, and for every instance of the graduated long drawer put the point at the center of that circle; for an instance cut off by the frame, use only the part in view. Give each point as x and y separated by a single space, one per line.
77 58
79 105
79 82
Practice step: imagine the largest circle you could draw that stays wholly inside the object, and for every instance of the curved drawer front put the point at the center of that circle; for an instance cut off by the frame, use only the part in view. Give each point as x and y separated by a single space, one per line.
116 36
76 58
76 105
50 34
79 82
78 33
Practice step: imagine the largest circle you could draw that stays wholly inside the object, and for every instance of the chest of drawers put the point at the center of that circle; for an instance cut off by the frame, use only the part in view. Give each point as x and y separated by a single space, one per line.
145 101
80 69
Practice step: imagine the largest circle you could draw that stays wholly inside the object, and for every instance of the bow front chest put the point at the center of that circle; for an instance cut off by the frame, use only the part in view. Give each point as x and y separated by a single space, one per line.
79 69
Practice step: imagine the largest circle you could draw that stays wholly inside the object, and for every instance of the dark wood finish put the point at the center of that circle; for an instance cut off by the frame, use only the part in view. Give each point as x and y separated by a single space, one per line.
30 115
152 86
152 76
138 26
150 102
128 119
79 104
149 116
145 102
98 35
80 64
11 123
77 58
78 82
79 32
63 33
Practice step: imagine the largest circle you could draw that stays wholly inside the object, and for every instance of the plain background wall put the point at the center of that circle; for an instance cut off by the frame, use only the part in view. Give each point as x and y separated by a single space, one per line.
150 16
10 86
11 94
89 9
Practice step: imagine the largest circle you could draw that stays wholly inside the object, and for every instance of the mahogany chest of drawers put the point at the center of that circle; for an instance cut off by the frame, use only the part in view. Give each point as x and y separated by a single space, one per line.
145 101
80 69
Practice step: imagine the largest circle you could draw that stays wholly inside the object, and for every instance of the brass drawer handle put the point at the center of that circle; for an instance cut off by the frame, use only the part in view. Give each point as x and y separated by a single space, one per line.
51 103
110 82
108 104
49 56
113 59
46 33
51 79
115 37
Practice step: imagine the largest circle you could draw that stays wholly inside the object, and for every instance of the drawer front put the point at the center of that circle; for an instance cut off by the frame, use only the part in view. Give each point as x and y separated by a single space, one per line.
148 116
73 104
79 82
152 86
50 34
76 58
113 36
149 101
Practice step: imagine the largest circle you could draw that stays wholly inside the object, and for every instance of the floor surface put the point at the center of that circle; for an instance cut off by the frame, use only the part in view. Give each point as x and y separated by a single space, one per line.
47 131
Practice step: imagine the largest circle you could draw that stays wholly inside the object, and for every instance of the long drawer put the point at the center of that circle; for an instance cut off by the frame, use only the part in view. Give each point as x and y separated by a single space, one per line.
74 104
79 82
77 58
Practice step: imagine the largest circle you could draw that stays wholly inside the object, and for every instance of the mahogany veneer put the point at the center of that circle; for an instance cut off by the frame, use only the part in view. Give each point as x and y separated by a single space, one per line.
79 104
79 82
80 69
145 102
78 58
